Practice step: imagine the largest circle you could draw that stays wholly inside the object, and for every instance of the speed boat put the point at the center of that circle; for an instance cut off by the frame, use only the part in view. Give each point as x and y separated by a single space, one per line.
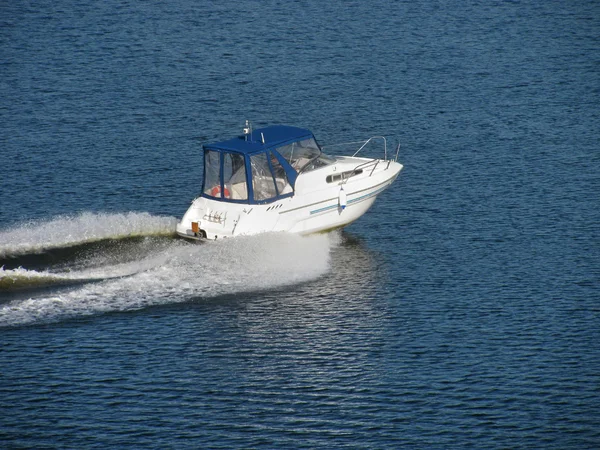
278 179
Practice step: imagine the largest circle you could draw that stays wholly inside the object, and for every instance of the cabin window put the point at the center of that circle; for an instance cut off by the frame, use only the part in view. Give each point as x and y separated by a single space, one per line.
212 170
234 176
263 182
343 176
281 179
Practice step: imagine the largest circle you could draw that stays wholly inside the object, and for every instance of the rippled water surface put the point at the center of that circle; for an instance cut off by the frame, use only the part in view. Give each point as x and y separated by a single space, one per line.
463 310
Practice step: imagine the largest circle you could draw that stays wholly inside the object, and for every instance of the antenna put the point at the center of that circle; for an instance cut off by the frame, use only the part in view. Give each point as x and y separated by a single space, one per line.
248 130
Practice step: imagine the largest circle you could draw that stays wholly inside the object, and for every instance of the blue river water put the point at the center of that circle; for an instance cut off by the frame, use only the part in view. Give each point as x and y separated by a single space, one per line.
462 311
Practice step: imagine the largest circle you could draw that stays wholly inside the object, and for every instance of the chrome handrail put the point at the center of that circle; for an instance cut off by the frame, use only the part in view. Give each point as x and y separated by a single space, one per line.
364 143
342 143
374 161
364 165
369 140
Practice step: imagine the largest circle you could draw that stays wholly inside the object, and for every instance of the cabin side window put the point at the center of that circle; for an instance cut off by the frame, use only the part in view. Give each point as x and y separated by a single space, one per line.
212 173
234 176
263 182
343 176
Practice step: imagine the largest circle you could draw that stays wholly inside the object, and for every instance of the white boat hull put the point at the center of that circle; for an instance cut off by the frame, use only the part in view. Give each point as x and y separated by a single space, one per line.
316 206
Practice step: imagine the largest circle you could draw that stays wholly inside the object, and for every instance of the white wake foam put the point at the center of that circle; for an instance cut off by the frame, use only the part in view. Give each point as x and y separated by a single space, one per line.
181 272
21 278
61 231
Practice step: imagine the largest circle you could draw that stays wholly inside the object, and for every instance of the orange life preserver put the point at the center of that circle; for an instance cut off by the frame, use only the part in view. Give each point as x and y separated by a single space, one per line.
217 190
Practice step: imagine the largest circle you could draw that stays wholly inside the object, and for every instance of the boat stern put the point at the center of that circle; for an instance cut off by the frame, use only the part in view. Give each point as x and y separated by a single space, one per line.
210 219
190 226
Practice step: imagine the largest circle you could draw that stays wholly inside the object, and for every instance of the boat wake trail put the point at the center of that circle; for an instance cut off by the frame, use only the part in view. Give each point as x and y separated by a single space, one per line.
19 279
137 272
65 231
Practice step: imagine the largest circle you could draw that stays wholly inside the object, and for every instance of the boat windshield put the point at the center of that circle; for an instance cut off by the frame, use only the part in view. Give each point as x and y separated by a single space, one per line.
232 185
305 155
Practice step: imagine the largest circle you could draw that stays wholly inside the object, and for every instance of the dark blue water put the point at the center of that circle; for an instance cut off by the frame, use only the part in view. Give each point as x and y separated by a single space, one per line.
462 311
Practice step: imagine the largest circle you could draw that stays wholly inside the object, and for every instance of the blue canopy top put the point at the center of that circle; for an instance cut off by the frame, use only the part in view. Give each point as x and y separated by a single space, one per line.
274 136
259 167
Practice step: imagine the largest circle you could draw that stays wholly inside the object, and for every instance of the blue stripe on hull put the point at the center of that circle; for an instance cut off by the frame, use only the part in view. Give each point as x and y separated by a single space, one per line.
353 201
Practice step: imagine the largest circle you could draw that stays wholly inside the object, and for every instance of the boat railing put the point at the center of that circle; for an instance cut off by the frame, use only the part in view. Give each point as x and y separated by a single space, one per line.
369 140
373 163
365 143
365 166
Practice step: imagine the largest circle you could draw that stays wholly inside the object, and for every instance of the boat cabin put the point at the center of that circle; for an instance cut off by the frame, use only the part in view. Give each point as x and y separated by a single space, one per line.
260 166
